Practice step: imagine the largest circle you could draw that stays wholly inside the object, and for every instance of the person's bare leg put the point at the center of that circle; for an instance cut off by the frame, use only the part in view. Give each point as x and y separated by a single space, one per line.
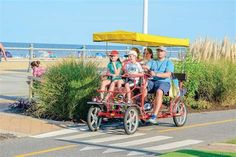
145 91
128 91
103 87
119 83
158 102
111 88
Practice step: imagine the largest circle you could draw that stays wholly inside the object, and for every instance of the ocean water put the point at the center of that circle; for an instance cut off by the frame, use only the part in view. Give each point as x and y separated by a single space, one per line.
47 50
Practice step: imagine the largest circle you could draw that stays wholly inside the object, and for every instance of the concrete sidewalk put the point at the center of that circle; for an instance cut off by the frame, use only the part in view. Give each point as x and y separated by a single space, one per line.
12 86
21 125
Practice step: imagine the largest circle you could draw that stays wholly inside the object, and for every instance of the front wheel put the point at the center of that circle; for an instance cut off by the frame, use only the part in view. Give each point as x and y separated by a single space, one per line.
93 120
131 120
180 112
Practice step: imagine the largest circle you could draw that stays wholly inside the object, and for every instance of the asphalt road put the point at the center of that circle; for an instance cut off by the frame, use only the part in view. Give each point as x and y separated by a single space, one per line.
200 130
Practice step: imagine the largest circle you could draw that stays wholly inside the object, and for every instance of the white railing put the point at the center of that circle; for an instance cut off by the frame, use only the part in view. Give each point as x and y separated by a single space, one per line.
83 52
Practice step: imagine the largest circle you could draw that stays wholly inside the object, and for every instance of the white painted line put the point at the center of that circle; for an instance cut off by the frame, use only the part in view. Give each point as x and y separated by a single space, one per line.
90 148
106 139
84 128
55 133
136 153
113 150
173 145
141 141
135 142
146 128
83 135
167 146
113 138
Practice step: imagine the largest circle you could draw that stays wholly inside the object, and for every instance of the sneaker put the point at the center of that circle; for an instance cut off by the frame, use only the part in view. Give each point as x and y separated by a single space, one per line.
153 119
129 102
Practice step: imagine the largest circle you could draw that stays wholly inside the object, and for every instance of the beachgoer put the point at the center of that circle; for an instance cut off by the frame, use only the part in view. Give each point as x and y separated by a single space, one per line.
160 84
147 64
114 74
138 53
148 59
126 61
38 70
132 68
2 52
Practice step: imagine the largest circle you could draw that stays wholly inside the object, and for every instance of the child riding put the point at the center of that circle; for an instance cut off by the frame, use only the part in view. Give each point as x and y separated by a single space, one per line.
114 74
133 68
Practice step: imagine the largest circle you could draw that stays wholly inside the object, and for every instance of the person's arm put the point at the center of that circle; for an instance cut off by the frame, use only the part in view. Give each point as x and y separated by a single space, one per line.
148 65
161 75
140 70
3 51
34 72
115 69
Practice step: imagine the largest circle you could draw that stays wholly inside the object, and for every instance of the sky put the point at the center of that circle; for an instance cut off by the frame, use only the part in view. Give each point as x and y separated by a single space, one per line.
74 21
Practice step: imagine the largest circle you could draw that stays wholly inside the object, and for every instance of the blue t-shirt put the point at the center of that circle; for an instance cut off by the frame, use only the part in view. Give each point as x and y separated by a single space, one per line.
151 63
163 67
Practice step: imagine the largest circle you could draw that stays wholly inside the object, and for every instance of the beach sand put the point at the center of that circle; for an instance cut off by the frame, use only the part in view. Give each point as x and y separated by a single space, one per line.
23 64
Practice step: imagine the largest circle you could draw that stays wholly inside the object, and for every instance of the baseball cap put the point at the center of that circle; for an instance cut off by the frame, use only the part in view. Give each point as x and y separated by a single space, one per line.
114 53
132 52
162 48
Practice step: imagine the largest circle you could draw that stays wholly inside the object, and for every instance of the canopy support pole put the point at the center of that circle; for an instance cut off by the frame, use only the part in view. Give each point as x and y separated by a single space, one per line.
145 16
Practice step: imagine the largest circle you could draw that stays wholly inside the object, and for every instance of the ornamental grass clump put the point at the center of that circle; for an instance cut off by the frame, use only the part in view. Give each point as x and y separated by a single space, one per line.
209 84
65 89
211 50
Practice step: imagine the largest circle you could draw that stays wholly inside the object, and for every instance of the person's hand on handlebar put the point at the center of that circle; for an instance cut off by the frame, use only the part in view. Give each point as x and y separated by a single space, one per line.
152 73
145 67
126 75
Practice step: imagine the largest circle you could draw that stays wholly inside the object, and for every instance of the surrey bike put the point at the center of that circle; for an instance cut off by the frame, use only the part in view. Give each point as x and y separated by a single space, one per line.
116 105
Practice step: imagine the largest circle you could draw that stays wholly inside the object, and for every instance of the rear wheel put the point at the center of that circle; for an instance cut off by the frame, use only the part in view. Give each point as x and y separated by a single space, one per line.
180 112
131 120
93 120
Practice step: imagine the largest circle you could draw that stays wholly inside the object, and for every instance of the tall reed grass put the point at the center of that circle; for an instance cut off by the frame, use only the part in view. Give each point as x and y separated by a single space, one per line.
207 49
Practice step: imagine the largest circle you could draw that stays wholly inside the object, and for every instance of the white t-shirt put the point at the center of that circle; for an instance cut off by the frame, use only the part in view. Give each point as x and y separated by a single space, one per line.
134 68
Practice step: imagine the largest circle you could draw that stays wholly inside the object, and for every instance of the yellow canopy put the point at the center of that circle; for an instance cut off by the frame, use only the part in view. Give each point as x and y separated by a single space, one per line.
124 37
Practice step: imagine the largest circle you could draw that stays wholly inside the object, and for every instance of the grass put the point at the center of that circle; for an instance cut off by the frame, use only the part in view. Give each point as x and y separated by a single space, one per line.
207 49
198 153
232 141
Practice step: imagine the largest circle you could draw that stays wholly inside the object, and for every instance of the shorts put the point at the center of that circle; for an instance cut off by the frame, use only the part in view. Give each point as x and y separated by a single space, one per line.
153 86
131 82
114 78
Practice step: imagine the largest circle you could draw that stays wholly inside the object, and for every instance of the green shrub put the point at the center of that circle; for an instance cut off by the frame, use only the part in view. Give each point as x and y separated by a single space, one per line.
209 82
66 88
194 71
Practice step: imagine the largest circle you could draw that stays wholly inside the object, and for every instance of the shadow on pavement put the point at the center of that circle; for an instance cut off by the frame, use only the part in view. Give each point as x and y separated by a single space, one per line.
9 97
17 70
